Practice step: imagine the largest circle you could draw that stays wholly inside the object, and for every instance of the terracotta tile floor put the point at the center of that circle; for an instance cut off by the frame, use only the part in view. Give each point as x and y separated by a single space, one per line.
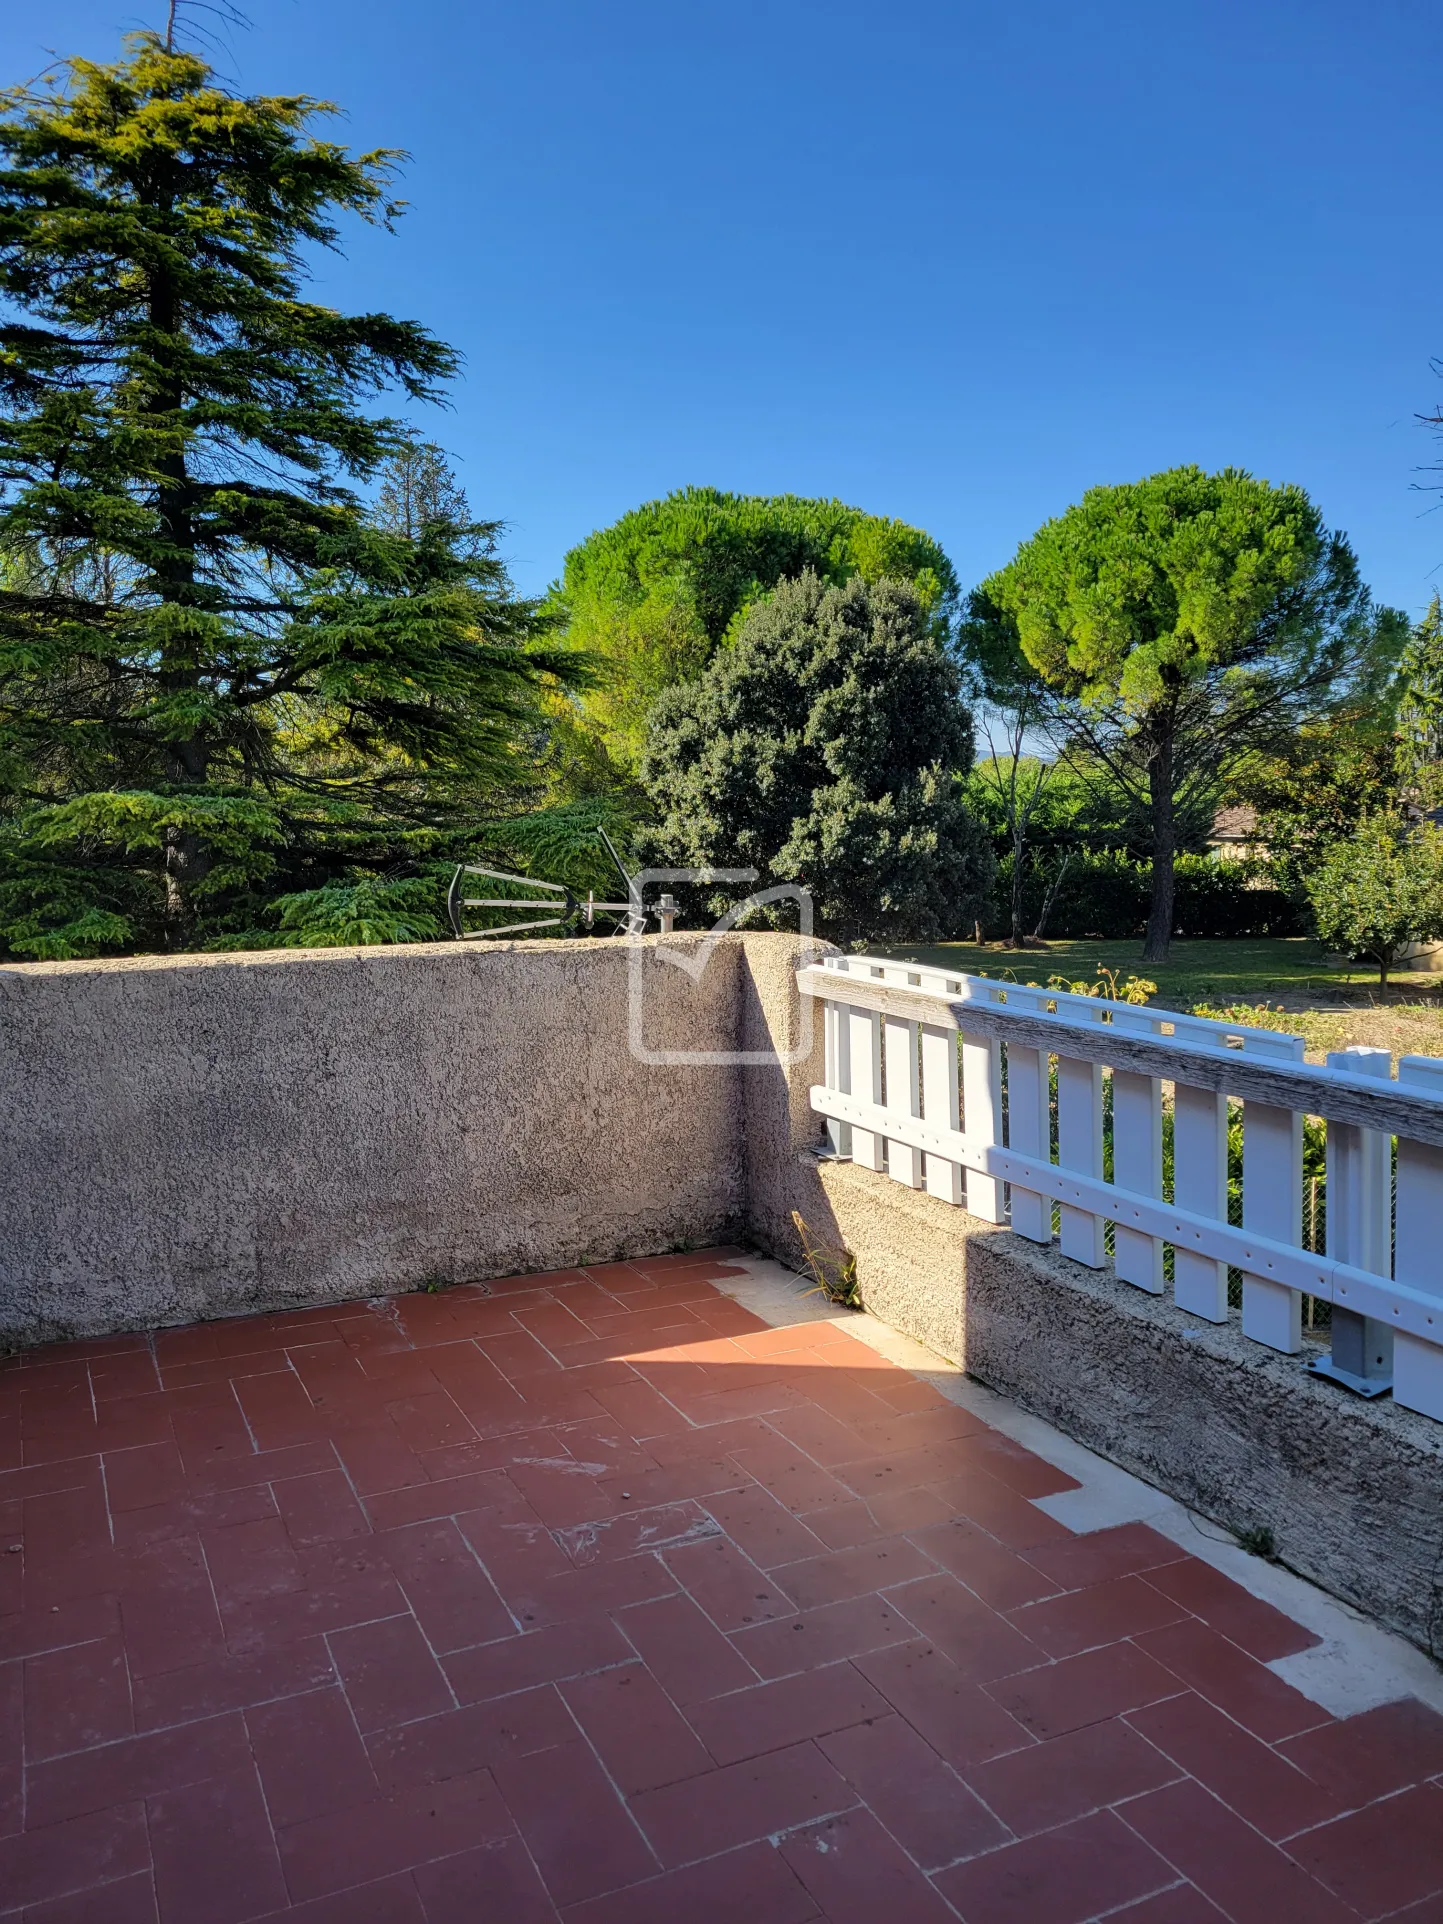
590 1596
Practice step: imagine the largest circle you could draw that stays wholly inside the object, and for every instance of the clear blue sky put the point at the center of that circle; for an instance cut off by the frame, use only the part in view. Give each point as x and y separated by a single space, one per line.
953 260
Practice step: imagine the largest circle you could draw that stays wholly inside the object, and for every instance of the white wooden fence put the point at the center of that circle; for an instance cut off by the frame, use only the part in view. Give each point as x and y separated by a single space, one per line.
973 1125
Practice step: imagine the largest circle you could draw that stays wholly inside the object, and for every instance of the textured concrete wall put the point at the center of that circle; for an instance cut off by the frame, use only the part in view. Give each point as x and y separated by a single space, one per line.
780 1129
1352 1491
909 1247
197 1136
912 1253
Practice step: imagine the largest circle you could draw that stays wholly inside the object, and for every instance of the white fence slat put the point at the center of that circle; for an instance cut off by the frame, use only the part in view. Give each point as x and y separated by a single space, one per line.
1359 1231
865 1029
1358 1226
1137 1167
1418 1255
1396 1304
1029 1132
904 1094
941 1102
1079 1147
837 1036
1200 1184
982 1117
1273 1206
1418 1250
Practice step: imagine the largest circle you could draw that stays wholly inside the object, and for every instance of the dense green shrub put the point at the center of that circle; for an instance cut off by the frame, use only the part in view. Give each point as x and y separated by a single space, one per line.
1105 894
1230 899
823 747
656 594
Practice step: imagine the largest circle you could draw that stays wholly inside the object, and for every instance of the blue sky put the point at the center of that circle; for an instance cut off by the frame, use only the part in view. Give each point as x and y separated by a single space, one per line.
953 260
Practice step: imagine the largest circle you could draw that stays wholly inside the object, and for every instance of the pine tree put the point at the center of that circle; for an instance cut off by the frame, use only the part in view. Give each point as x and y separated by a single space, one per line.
1176 626
418 490
210 653
657 593
1420 710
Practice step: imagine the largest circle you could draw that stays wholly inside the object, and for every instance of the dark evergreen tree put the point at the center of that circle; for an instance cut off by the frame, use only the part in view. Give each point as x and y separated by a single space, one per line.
218 672
826 747
657 593
1420 710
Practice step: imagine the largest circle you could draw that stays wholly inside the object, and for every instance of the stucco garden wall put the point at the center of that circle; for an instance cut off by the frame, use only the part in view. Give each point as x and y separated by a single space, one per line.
199 1136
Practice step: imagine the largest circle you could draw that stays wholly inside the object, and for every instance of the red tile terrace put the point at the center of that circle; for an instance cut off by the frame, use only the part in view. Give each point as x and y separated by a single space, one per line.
591 1596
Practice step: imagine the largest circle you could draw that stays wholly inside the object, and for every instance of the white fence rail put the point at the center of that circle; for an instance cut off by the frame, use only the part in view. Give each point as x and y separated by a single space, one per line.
945 1081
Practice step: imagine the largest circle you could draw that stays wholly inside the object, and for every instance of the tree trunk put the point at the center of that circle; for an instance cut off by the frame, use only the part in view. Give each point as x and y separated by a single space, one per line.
187 859
1050 897
186 862
1016 939
1164 852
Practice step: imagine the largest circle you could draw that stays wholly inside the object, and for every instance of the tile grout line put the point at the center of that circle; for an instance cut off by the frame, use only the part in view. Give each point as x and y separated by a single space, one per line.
235 1397
1267 1842
616 1789
1357 1666
1121 1910
105 1492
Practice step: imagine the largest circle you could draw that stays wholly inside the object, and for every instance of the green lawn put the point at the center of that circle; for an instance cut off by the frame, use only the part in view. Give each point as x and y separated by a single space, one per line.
1292 971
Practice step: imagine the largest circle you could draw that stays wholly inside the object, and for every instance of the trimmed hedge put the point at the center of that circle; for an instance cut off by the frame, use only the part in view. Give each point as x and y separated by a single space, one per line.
1105 895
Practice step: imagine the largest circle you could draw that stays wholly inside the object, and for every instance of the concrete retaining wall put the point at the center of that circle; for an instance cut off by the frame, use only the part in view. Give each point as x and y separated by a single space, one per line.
198 1136
1351 1491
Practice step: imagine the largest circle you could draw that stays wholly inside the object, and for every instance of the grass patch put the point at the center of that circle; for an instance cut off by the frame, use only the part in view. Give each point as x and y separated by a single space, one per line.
1281 983
1219 971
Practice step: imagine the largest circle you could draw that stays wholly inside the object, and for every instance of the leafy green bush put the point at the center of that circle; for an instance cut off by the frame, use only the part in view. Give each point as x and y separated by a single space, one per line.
1379 890
1228 899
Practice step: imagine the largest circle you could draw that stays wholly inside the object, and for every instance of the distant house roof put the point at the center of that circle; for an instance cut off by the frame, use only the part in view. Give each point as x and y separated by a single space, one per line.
1236 824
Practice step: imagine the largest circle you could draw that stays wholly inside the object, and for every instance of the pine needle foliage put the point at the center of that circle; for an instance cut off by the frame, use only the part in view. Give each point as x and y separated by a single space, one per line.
655 596
1174 626
219 672
1420 709
560 843
419 491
